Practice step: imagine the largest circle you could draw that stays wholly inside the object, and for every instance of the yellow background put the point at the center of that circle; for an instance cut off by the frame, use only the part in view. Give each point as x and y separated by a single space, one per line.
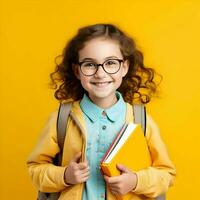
34 32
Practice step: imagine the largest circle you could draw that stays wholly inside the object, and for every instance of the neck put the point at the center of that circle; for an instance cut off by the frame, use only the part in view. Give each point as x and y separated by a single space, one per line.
104 103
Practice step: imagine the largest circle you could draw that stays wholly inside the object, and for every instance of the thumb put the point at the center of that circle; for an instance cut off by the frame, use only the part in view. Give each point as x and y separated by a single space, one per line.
77 157
122 168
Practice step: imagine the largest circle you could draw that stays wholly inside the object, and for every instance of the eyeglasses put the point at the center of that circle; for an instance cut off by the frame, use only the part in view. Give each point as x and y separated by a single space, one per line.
111 66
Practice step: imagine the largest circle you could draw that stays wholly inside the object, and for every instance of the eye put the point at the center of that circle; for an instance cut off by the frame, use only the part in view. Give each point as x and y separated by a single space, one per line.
111 62
88 64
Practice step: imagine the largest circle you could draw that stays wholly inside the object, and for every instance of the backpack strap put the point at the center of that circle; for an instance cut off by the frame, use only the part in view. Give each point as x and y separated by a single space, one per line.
63 114
140 116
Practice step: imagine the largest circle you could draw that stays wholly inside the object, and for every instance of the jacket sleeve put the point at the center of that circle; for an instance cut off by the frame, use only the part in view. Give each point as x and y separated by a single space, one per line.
45 175
156 179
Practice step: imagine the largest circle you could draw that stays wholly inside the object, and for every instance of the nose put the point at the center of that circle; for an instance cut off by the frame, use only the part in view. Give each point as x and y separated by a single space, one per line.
100 72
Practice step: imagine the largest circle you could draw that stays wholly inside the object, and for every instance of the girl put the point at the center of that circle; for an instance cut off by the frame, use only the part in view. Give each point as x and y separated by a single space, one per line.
102 73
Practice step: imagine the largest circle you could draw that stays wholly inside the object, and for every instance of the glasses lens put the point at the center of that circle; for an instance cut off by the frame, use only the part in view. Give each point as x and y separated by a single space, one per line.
112 66
88 68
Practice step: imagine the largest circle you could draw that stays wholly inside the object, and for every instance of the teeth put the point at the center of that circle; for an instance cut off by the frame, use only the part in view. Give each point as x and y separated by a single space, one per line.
103 83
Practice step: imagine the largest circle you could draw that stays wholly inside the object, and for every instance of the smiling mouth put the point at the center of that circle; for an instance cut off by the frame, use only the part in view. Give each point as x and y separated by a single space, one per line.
101 83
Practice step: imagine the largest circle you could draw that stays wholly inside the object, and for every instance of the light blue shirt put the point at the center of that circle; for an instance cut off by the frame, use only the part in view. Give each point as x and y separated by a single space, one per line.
102 127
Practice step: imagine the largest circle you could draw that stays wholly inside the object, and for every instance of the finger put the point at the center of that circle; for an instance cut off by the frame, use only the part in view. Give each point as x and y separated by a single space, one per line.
122 168
113 191
80 174
84 171
85 175
84 179
77 157
106 178
114 185
111 180
83 165
87 169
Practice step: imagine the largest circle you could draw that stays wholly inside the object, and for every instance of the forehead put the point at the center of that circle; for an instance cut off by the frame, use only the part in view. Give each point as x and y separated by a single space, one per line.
100 48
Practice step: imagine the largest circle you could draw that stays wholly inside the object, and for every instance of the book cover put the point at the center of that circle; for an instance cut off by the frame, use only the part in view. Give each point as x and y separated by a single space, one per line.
130 149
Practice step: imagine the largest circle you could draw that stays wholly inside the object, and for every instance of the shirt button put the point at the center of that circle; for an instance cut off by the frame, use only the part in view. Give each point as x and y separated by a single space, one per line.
104 113
104 127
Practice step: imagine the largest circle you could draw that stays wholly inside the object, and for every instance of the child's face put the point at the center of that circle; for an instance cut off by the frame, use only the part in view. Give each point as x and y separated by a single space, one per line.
101 86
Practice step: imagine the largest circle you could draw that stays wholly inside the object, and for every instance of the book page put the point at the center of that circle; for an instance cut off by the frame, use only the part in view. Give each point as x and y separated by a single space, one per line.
120 142
116 140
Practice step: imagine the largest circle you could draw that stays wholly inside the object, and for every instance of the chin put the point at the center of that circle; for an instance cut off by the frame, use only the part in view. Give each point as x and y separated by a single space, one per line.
102 96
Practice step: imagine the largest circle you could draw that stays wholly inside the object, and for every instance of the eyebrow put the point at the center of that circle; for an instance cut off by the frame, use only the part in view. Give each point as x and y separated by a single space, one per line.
96 60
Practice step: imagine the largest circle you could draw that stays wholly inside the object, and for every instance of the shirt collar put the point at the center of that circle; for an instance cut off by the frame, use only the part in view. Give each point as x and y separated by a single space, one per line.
94 112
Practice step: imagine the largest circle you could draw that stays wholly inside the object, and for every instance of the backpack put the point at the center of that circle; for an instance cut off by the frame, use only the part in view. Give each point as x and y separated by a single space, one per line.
63 114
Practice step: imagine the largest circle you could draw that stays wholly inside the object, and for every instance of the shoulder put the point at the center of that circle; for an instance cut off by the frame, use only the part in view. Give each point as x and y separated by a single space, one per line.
151 125
75 109
151 122
52 118
152 128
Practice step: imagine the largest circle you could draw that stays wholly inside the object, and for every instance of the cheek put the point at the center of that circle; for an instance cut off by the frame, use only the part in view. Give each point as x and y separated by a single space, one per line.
119 76
84 82
118 80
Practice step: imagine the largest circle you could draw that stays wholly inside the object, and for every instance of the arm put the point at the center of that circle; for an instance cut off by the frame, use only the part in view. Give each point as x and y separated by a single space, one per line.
46 176
156 179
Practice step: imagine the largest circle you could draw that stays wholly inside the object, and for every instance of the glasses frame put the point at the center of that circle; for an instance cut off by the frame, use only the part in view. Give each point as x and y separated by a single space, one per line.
97 66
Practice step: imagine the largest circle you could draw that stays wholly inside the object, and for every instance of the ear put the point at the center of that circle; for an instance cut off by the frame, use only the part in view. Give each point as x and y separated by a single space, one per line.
76 71
125 68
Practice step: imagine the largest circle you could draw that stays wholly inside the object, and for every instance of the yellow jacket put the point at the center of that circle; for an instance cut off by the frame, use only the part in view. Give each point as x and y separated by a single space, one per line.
50 178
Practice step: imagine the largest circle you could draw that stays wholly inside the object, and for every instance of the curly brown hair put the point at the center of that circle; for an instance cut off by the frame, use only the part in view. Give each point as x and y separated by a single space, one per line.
138 85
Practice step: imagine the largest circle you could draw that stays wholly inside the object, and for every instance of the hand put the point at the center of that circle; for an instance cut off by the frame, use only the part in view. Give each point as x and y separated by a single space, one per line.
76 172
121 185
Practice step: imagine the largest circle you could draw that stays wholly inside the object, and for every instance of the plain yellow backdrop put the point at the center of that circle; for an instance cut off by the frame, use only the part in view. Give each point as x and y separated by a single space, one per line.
34 32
